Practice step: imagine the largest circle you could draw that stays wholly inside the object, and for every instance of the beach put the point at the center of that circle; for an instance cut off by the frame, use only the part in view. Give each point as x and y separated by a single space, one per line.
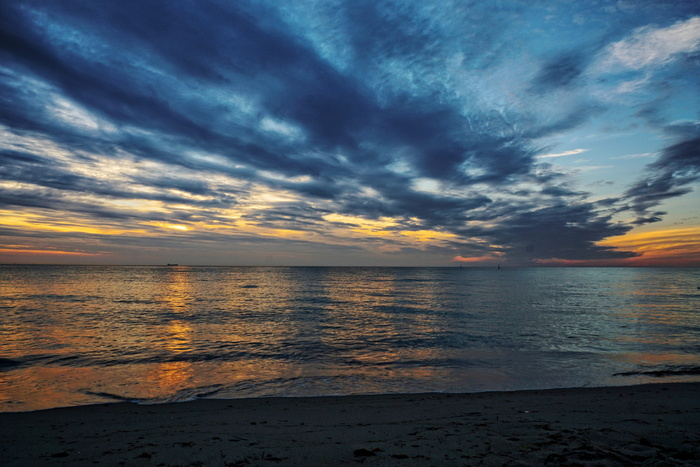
653 424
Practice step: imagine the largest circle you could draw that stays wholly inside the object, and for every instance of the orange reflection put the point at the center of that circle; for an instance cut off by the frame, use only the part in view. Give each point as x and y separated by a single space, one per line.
166 379
179 337
169 377
178 292
642 359
374 314
44 388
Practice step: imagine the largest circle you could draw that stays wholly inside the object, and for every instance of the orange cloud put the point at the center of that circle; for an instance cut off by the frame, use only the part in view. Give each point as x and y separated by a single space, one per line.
7 254
11 251
474 259
663 248
41 222
673 247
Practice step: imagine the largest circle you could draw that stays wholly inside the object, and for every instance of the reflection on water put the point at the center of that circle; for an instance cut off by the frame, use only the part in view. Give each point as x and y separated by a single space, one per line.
168 378
76 335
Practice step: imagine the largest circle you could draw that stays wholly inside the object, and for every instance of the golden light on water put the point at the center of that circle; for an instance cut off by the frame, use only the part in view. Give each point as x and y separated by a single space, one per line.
95 334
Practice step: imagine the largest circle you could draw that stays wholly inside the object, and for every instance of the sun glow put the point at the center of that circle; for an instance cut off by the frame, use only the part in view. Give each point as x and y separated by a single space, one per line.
661 248
475 259
427 235
35 222
20 251
363 226
672 247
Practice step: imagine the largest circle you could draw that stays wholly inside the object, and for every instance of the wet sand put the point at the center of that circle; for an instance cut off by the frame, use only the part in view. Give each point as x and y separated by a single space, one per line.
654 425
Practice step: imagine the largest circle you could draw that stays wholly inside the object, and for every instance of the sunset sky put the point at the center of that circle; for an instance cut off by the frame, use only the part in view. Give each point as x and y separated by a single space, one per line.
350 132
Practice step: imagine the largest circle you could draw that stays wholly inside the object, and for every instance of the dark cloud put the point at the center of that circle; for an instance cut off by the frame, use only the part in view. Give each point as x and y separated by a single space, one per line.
103 88
8 156
353 134
562 231
30 168
668 177
290 217
655 217
195 187
333 110
107 89
561 192
42 173
561 71
579 115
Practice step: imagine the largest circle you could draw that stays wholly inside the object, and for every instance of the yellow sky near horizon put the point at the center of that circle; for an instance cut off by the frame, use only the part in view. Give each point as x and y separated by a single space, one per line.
667 247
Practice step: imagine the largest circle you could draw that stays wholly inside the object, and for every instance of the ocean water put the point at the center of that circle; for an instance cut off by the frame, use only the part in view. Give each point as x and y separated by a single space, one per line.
72 335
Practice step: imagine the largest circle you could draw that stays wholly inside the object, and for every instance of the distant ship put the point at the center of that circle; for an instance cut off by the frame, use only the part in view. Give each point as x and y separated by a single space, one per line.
172 264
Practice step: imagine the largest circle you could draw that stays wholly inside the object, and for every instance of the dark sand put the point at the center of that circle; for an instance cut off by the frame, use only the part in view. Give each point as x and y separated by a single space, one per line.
654 425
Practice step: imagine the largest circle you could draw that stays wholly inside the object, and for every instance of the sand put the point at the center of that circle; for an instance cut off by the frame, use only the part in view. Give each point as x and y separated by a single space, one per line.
655 425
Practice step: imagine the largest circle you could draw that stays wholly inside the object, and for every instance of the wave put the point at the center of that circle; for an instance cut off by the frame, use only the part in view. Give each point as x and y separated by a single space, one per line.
8 364
182 395
60 298
136 301
680 370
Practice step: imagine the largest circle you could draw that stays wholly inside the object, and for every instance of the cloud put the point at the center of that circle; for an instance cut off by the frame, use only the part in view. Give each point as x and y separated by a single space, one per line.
665 247
635 156
475 259
56 181
670 176
253 115
650 47
654 217
561 71
562 154
560 231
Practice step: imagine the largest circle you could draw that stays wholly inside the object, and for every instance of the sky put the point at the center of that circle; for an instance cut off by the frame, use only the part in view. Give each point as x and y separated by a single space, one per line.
350 132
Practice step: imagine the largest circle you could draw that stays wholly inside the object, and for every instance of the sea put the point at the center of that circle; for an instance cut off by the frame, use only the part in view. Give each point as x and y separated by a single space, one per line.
77 335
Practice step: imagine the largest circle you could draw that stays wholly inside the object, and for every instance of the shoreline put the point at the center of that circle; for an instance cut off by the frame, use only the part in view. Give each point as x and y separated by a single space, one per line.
658 423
